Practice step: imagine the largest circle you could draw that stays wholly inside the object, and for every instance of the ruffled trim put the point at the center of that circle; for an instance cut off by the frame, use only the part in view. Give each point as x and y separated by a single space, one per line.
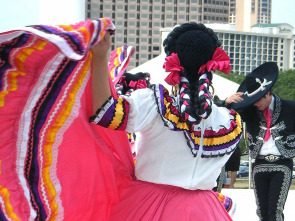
113 114
73 40
218 139
219 143
168 109
228 204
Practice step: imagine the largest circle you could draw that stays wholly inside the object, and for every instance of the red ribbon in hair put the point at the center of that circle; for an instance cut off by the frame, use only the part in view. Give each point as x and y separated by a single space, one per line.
138 84
220 61
172 64
122 80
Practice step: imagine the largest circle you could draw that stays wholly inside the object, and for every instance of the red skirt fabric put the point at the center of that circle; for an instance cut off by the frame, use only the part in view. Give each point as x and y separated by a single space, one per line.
141 200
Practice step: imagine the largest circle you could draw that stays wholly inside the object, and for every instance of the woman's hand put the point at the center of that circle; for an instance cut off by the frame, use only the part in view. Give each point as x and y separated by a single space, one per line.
100 49
234 98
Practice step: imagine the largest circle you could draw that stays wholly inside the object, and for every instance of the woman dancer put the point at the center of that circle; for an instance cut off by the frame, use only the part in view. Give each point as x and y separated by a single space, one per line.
182 141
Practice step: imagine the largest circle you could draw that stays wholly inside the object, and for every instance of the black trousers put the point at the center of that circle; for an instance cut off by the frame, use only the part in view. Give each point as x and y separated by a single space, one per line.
271 181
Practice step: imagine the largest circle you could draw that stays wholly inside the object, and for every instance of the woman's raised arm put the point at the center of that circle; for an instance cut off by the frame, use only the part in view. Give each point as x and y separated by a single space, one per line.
100 89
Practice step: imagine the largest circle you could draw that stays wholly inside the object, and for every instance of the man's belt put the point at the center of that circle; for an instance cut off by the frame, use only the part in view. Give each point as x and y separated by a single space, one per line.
270 157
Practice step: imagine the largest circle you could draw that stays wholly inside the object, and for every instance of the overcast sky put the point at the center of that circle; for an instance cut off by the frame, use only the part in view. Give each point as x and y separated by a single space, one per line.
283 11
12 12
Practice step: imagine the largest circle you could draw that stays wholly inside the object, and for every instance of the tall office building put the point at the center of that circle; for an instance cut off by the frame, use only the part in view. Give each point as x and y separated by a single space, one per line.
138 22
246 13
232 12
264 11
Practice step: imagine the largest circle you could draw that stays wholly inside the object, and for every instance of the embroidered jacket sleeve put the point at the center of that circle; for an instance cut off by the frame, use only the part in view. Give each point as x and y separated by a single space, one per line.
131 113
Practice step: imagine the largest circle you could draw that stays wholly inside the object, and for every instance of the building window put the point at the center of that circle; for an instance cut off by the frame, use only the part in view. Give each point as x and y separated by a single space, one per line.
143 39
144 7
131 40
169 16
130 23
181 16
132 7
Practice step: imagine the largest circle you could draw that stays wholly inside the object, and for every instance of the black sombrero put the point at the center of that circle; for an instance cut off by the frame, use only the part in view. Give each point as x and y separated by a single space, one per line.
257 84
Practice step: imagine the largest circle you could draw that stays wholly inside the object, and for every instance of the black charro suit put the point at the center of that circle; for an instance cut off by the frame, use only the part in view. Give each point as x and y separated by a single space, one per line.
272 176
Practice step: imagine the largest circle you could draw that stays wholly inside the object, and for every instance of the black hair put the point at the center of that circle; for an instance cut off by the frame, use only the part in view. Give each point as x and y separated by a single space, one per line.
195 45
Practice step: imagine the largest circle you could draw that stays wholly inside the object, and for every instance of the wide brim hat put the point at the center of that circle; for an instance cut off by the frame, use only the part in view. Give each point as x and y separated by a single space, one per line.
257 84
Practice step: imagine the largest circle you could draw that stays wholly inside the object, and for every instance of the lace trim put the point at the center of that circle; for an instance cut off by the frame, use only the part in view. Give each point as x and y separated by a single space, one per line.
268 168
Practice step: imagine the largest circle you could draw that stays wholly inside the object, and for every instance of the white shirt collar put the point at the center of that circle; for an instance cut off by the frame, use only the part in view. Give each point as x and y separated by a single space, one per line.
272 103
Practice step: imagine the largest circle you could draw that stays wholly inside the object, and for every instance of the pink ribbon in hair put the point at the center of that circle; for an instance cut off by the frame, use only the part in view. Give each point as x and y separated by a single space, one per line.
220 61
123 80
138 84
172 64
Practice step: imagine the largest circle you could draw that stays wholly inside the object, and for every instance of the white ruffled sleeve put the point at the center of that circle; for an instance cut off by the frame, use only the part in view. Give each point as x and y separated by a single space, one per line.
143 110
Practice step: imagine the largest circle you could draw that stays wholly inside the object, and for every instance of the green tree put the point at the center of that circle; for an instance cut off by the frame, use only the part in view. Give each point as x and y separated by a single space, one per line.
284 86
231 76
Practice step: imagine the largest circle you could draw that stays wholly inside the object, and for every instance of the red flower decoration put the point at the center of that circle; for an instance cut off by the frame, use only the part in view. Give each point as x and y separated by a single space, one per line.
172 64
220 61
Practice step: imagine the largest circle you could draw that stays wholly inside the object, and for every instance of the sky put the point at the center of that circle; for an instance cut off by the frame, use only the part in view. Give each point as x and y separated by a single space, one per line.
283 11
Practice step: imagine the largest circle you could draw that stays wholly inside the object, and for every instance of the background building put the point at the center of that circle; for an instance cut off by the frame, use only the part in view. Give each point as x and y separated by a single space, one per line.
265 42
245 13
251 41
138 22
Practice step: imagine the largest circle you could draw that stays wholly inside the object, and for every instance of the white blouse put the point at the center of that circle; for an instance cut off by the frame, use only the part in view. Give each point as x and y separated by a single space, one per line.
162 155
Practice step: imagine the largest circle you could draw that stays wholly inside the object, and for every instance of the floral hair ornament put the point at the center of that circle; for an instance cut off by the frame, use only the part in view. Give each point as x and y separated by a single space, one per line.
172 64
220 61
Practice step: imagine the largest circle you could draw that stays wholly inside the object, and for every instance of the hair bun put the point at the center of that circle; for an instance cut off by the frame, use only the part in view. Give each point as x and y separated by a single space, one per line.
194 44
194 48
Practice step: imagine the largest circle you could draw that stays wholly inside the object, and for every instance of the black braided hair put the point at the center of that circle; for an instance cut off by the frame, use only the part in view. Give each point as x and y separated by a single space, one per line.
194 44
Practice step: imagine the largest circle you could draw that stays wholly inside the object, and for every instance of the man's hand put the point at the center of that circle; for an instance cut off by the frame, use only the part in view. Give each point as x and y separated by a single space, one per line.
235 98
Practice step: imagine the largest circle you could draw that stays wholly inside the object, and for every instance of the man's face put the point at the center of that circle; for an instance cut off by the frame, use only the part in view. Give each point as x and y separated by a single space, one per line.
264 102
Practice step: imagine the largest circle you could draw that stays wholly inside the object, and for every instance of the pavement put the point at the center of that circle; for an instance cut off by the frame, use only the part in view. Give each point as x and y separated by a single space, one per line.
246 205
